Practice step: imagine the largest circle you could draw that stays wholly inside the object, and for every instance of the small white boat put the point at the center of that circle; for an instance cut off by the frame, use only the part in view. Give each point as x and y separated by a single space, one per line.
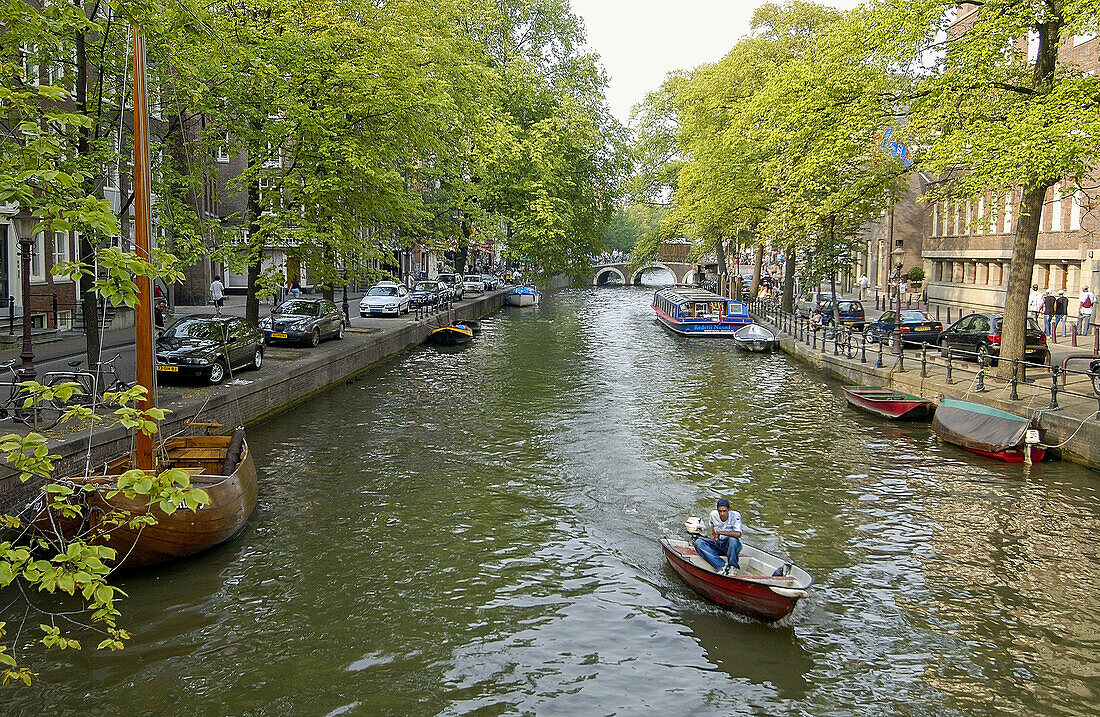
523 296
754 337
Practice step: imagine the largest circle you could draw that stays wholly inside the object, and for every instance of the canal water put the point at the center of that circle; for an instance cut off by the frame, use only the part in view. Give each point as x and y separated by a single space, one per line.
475 532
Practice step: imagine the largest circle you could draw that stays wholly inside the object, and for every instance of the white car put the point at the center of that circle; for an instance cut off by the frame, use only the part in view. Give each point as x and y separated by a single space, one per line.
385 297
473 284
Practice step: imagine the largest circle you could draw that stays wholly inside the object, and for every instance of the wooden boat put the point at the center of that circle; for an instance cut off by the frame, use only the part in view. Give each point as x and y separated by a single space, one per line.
984 430
755 589
221 466
691 311
451 335
524 295
754 337
889 403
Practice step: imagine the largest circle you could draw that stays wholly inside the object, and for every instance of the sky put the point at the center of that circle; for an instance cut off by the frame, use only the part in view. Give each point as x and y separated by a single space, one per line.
641 41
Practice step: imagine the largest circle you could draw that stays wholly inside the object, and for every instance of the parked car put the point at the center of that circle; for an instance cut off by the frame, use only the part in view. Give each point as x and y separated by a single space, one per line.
208 347
304 320
429 293
385 297
980 335
851 313
473 284
1094 367
491 282
455 283
812 302
916 327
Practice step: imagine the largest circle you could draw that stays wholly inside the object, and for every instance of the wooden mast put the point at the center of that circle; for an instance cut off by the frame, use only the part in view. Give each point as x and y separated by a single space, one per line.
143 344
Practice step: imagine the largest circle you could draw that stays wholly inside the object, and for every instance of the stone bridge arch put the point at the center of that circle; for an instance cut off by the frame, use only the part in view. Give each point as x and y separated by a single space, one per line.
603 274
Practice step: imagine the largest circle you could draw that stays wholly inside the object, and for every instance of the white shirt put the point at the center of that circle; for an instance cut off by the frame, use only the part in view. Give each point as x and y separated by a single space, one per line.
1089 309
1035 301
217 291
864 281
732 522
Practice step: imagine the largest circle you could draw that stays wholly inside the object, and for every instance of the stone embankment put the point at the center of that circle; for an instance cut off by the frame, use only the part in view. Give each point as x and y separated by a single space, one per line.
252 397
1067 419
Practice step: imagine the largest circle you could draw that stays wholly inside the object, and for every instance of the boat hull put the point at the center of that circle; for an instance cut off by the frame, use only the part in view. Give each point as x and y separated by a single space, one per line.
451 336
884 402
754 338
522 300
984 430
185 532
699 327
765 598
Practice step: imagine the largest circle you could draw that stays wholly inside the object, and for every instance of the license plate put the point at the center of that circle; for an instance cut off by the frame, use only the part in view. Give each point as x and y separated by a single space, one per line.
278 336
847 323
922 328
170 369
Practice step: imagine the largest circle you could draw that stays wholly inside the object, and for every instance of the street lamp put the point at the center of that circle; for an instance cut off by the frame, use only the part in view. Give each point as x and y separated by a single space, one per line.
899 252
23 227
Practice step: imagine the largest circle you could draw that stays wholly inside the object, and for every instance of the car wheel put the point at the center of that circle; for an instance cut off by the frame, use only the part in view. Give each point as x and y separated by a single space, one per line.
868 335
315 337
217 372
983 356
1096 383
340 331
257 359
408 308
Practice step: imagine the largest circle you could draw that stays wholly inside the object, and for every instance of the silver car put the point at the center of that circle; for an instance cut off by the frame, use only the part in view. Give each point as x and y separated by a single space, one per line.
473 284
385 297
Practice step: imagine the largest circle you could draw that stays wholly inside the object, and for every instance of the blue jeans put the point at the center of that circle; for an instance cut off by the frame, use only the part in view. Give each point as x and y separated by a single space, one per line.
713 550
1047 320
1059 320
1083 321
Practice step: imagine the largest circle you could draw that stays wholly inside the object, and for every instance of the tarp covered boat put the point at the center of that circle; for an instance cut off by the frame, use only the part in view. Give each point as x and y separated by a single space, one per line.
756 589
523 296
984 429
889 403
754 337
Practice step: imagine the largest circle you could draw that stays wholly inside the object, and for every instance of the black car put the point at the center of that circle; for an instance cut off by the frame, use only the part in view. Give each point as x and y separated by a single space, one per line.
851 313
979 335
430 293
916 327
208 347
304 321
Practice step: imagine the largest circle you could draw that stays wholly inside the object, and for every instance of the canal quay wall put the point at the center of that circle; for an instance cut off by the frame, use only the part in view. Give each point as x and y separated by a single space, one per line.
251 397
1073 429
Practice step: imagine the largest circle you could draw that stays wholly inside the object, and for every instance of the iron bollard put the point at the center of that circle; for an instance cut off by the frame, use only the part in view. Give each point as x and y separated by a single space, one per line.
1073 335
981 374
901 362
878 363
948 314
937 312
1013 382
11 315
949 379
1053 387
1096 342
924 360
863 349
836 342
56 326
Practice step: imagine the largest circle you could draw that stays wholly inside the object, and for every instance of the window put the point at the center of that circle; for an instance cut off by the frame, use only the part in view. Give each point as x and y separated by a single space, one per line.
935 219
1008 213
993 215
38 259
1075 211
222 153
29 56
1056 210
274 156
61 249
1083 38
979 226
1032 46
966 227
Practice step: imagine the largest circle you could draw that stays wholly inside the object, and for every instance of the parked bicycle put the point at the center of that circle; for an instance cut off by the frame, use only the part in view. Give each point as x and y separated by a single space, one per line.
41 416
91 384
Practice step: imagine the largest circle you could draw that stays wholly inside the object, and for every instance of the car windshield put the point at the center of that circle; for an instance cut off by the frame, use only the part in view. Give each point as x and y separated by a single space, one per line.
195 329
298 308
382 291
913 316
473 278
427 286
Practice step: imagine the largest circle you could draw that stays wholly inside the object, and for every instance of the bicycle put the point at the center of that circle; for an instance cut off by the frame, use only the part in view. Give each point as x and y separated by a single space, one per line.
91 384
40 416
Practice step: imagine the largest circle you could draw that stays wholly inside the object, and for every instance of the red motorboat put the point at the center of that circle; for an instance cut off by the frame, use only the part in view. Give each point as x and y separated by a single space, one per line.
985 430
889 403
756 589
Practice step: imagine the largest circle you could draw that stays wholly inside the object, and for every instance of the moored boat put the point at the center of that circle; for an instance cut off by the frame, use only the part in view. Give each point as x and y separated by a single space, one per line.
524 295
691 311
984 430
754 337
455 334
766 587
889 403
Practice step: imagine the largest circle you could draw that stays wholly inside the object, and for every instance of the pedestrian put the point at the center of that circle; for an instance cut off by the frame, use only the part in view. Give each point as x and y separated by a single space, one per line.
1035 302
864 284
1048 312
295 288
1061 308
1086 306
217 294
159 305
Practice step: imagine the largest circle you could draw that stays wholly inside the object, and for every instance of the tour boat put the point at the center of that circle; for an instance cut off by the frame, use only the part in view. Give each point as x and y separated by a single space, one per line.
766 587
691 311
754 337
524 295
455 334
889 403
985 430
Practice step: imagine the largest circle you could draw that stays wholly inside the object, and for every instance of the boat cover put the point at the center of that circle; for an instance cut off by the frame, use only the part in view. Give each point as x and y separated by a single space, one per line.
525 290
753 332
978 427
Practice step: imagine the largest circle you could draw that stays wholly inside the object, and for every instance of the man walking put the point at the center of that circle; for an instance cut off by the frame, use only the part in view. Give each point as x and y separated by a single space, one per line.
1048 312
1086 305
864 283
1061 308
217 294
1034 302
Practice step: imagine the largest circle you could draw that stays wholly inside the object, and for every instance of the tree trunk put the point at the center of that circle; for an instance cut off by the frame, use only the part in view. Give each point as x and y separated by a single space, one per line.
757 269
723 278
463 250
1013 330
788 280
255 252
89 305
